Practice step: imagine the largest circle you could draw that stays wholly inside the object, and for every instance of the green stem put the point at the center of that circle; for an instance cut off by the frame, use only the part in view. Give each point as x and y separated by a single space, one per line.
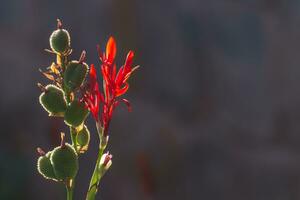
70 185
70 191
97 175
95 180
73 134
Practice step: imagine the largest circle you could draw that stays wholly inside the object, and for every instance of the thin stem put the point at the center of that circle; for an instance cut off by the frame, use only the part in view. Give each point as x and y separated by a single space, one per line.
73 134
70 185
70 191
95 180
96 177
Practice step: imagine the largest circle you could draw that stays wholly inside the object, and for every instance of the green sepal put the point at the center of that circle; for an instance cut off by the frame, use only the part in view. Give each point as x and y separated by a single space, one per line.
74 75
53 101
64 160
60 41
45 167
83 139
76 113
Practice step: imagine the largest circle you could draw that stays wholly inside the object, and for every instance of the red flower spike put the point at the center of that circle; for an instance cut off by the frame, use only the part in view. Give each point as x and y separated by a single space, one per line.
92 96
114 85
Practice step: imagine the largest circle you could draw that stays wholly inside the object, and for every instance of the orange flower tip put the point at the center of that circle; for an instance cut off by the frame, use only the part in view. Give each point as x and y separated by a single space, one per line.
40 151
92 69
111 50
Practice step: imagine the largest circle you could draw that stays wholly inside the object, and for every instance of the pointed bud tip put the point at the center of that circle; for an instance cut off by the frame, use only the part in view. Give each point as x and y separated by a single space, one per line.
40 151
59 24
42 88
63 142
82 56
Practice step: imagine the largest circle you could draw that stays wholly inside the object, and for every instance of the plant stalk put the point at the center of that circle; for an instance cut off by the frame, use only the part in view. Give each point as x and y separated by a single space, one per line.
70 190
97 174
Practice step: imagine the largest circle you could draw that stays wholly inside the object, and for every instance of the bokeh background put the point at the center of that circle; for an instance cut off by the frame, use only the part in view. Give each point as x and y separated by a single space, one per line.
216 102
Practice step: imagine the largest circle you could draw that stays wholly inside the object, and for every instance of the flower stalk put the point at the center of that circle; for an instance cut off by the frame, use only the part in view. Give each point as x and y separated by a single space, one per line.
97 174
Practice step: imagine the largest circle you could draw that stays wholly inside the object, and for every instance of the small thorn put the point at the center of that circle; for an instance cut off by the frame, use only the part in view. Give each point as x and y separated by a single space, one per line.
62 137
40 151
49 51
59 24
82 56
42 88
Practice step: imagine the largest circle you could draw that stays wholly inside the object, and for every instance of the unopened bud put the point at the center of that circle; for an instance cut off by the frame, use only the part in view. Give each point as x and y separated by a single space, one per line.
106 161
83 139
60 40
76 113
53 101
75 74
64 161
44 165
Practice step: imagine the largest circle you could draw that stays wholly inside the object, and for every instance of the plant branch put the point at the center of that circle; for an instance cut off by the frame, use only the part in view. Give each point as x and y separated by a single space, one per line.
97 174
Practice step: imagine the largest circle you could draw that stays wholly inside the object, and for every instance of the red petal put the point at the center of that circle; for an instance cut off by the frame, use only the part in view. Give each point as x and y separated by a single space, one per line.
129 58
120 76
111 50
127 103
122 91
114 72
93 74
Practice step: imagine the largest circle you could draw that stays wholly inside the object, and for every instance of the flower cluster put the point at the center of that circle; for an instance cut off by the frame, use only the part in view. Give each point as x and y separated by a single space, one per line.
114 85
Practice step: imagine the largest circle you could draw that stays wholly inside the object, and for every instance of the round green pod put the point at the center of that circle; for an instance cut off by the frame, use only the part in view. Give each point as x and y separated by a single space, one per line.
76 113
75 74
64 160
83 139
45 167
53 101
60 41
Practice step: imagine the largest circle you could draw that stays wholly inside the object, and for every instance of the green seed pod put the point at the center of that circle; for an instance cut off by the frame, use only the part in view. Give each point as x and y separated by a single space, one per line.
45 168
64 160
76 113
83 139
60 41
75 74
53 101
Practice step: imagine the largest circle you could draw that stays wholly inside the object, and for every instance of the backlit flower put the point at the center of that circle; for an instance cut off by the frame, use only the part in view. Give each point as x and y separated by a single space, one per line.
114 85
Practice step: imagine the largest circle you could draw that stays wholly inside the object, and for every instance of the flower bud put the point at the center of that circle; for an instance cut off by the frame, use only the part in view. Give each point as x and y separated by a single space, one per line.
45 168
75 74
53 101
60 41
105 163
76 113
83 139
64 160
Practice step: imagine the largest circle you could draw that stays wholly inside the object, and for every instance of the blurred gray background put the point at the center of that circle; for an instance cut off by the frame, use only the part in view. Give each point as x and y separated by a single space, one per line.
216 102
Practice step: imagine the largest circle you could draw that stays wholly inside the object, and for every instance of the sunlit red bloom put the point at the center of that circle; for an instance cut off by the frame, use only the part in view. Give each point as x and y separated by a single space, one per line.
92 96
114 84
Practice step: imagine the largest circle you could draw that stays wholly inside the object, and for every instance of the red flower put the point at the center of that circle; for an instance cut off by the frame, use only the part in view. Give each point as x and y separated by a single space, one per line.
92 96
114 84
